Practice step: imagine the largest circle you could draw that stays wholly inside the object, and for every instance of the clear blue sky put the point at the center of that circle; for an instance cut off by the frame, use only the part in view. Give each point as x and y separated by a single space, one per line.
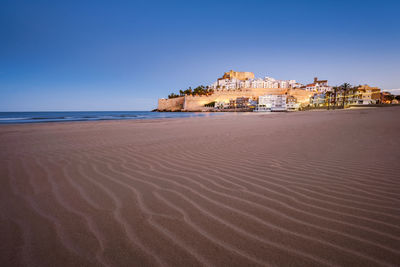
123 55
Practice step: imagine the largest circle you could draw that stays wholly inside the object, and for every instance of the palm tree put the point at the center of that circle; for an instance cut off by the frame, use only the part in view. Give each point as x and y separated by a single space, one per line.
328 98
335 90
353 92
345 88
188 91
172 95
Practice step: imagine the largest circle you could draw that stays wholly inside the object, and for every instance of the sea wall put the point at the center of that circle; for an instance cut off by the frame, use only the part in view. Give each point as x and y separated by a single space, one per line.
172 104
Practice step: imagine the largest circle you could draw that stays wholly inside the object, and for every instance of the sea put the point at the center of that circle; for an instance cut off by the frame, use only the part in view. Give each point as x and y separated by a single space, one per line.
70 116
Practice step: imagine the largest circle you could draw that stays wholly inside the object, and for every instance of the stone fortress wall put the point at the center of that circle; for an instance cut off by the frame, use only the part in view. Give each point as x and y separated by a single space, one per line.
238 75
172 104
196 103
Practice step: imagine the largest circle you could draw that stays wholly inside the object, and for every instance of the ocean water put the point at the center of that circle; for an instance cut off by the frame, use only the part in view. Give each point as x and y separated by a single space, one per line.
70 116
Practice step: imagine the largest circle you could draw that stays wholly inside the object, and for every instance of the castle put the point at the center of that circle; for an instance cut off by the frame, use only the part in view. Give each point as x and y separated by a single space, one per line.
233 85
237 75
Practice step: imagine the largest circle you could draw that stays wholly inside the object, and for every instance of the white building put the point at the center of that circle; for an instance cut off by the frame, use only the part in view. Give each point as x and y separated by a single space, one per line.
291 103
245 84
318 86
221 105
257 83
267 82
229 84
271 103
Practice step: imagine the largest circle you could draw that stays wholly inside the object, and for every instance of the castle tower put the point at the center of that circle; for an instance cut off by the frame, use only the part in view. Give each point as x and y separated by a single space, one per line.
237 75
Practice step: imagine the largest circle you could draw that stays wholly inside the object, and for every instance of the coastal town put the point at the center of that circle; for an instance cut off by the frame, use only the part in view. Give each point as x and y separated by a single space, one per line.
242 91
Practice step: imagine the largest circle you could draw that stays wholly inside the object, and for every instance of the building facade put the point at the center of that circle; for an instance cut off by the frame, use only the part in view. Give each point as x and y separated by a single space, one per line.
291 103
318 86
271 103
318 100
368 94
237 80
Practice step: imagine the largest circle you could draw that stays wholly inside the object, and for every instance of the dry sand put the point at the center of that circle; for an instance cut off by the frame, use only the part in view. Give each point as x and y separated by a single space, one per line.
306 188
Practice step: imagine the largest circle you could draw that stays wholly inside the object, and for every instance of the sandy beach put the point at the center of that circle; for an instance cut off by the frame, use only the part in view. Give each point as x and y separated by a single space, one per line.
318 188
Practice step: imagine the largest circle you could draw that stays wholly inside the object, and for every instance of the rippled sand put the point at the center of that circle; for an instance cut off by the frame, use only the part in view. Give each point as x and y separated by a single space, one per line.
306 188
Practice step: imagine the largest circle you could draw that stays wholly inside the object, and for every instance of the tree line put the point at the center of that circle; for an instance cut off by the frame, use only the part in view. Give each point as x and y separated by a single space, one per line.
340 95
343 90
199 90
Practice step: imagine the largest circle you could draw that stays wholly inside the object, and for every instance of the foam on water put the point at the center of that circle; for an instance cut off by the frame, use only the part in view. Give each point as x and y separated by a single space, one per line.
70 116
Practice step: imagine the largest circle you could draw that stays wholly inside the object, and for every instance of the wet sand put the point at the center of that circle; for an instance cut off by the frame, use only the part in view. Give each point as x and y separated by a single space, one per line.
304 189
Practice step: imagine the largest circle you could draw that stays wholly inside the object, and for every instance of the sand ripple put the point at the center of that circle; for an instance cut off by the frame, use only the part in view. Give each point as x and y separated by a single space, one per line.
230 190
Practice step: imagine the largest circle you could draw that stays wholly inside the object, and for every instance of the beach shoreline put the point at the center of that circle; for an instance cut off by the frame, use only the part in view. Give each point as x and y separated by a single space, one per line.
199 114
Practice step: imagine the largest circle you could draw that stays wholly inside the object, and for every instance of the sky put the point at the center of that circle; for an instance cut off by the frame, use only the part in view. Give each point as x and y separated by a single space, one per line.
124 55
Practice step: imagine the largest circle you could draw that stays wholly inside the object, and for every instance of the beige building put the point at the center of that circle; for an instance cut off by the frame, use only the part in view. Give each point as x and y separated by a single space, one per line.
368 94
318 86
362 95
237 75
291 103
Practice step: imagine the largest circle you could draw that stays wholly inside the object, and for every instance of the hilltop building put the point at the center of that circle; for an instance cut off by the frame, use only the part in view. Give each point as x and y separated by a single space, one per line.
236 80
318 86
230 75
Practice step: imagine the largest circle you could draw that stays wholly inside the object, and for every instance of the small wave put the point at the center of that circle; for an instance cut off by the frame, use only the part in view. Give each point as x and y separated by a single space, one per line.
47 118
77 116
13 119
125 116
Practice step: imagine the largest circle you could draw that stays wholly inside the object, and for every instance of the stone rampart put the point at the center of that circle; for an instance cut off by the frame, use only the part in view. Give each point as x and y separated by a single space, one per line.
302 96
171 104
196 103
